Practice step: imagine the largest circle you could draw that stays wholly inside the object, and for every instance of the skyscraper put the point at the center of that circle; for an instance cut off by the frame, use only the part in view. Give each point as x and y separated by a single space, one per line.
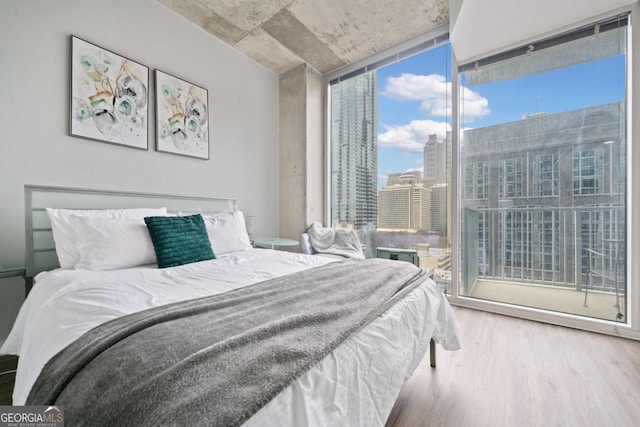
394 178
435 161
439 211
405 205
354 151
437 174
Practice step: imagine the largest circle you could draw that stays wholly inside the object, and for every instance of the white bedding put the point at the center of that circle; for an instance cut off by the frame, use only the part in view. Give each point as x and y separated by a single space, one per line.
64 304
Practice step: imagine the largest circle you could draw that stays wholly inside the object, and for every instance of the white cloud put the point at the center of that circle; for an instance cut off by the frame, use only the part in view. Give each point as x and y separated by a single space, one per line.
474 106
412 137
432 91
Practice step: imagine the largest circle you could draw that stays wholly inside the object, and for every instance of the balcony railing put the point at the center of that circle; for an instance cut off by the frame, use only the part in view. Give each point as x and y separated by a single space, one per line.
580 247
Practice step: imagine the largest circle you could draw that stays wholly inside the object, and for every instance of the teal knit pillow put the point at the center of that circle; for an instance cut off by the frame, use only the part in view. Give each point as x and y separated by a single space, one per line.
179 240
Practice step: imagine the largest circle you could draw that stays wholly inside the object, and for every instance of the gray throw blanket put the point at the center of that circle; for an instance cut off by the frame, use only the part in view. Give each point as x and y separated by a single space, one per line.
217 360
335 241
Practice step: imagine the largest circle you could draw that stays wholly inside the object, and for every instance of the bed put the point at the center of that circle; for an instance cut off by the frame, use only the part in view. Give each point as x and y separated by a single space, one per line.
356 383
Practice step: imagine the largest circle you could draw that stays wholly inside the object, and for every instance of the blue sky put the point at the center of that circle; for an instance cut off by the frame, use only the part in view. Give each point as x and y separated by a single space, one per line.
412 101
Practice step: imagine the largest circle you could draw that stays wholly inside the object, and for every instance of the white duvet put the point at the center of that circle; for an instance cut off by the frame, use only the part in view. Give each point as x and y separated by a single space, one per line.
356 384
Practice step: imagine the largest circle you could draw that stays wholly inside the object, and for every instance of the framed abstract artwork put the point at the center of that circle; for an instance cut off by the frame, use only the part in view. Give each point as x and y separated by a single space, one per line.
182 117
109 96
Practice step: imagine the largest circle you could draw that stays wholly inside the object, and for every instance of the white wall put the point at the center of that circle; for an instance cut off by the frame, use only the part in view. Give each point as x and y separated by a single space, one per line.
35 147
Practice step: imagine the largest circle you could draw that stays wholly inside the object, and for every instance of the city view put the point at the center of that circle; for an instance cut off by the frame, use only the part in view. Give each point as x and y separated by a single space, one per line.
400 117
542 171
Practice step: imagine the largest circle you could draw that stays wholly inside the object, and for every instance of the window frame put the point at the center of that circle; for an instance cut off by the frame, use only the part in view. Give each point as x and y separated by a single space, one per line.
554 172
630 328
597 176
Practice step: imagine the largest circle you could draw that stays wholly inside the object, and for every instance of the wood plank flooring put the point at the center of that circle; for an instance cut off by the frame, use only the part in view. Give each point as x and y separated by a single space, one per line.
514 372
509 372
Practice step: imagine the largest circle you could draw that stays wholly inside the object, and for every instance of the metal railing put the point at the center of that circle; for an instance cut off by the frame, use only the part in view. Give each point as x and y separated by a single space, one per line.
607 268
580 247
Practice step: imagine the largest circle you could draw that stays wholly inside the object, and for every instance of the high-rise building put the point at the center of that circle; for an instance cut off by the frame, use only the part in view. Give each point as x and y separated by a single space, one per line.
437 174
354 151
435 161
405 205
422 208
439 209
394 207
544 187
394 178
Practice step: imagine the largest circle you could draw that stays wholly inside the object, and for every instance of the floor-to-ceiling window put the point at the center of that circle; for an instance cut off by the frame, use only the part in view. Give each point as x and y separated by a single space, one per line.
543 174
390 150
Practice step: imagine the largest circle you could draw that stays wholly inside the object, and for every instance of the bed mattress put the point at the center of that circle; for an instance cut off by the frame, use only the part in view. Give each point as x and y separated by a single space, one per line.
356 384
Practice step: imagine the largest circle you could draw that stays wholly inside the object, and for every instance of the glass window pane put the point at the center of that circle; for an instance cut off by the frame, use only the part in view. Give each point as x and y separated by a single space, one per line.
545 179
391 159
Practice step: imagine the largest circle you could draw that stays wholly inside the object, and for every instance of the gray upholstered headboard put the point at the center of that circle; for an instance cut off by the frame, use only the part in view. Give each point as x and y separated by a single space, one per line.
40 252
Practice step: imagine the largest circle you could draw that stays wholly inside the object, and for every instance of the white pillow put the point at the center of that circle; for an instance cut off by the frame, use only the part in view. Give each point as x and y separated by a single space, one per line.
111 243
227 232
65 236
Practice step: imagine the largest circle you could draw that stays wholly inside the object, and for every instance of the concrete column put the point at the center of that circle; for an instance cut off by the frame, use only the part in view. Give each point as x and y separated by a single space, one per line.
301 150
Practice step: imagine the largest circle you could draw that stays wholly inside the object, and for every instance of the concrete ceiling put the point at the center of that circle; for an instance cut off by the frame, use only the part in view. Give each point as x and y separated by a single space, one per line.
326 34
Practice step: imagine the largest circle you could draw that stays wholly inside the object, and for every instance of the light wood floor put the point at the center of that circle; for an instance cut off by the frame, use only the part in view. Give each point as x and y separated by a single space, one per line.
513 372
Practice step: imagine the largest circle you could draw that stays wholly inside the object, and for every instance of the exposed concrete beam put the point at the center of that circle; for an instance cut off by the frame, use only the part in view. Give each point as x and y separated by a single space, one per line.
206 19
289 31
356 29
326 34
264 49
246 14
